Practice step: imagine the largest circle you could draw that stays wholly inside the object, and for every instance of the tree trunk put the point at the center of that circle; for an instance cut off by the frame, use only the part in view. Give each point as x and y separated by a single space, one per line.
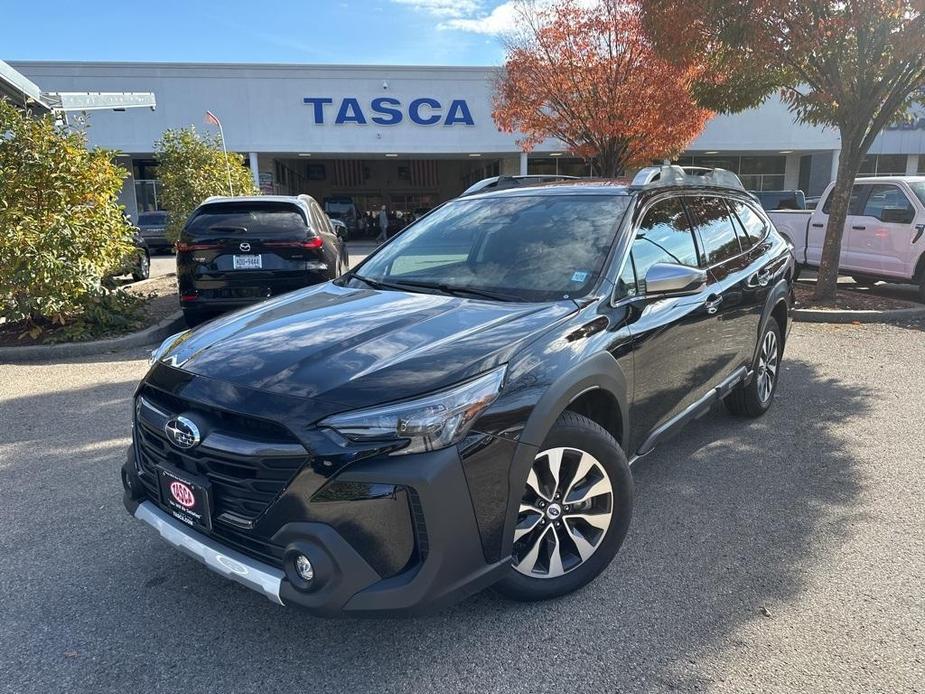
849 164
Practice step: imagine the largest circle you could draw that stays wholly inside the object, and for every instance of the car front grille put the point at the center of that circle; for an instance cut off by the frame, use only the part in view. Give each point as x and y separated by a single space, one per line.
248 462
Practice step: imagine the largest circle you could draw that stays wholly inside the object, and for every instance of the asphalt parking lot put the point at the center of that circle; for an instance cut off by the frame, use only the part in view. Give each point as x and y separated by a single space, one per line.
785 554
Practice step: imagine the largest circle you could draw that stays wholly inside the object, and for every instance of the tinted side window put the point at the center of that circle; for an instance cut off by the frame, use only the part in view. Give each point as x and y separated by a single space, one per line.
714 224
663 237
857 198
751 226
885 196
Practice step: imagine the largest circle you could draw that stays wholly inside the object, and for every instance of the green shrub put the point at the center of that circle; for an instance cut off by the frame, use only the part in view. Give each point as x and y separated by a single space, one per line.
62 230
192 167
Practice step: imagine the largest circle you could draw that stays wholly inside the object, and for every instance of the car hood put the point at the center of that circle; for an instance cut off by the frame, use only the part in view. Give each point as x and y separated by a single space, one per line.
358 347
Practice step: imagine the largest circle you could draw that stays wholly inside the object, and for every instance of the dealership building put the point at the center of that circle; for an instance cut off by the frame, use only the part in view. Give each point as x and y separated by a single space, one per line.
408 137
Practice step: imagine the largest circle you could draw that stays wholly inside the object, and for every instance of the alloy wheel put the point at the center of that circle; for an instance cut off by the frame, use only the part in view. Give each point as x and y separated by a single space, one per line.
767 366
564 513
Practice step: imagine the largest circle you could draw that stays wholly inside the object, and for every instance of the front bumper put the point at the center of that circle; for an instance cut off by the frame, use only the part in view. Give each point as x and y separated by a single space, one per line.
348 577
251 573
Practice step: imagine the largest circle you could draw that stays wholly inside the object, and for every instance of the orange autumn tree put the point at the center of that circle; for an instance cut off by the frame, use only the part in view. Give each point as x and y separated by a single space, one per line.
586 75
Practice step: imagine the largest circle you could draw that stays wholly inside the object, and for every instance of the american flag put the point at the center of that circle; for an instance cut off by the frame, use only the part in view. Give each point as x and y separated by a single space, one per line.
424 173
211 118
348 172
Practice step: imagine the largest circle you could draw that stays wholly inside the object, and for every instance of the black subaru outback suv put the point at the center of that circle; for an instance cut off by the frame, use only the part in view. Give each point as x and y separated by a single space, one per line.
462 409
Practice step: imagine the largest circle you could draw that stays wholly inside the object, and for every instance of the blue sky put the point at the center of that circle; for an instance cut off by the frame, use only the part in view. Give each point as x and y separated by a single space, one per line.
416 32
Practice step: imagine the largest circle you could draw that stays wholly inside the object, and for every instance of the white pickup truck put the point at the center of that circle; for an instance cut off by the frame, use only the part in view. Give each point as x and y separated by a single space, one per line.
884 235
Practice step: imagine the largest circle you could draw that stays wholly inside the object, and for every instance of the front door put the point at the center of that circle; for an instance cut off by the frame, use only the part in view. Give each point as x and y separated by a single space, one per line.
878 239
674 344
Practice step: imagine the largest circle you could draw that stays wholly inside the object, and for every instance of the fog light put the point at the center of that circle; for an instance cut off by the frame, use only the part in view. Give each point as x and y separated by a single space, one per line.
304 568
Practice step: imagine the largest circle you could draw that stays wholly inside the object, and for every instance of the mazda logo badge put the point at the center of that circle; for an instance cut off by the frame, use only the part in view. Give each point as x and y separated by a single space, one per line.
245 246
182 433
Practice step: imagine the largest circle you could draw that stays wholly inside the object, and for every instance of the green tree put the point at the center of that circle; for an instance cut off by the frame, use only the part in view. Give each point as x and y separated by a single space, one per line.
62 230
853 65
192 167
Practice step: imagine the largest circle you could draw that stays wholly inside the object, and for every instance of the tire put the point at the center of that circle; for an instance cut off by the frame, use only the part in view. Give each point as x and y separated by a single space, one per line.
581 447
922 289
142 271
754 398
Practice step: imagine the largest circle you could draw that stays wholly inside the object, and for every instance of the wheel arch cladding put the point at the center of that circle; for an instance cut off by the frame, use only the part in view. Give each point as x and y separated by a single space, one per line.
599 372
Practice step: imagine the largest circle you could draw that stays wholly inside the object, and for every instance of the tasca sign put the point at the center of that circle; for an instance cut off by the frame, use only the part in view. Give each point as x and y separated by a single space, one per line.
387 110
911 124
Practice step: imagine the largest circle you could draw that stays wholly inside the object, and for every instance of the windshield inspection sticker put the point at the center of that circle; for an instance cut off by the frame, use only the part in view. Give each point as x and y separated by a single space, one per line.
579 277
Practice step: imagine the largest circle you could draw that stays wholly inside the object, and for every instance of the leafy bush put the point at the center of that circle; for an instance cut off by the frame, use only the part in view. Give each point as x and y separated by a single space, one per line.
190 168
62 230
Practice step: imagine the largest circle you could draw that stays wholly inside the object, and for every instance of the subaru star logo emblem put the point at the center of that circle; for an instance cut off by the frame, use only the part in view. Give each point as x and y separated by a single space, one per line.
245 246
182 432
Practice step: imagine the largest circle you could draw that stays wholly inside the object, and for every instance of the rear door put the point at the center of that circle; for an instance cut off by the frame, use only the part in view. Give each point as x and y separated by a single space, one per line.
727 257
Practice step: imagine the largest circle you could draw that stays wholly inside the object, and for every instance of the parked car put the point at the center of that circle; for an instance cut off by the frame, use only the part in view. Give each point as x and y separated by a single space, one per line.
340 229
153 226
237 251
463 408
138 262
505 182
781 199
883 231
344 209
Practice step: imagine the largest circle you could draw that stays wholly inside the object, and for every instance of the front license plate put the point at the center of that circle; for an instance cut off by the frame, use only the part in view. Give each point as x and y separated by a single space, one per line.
188 498
248 262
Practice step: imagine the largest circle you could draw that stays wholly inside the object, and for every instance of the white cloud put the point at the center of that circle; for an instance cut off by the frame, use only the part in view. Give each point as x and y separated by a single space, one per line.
444 8
499 21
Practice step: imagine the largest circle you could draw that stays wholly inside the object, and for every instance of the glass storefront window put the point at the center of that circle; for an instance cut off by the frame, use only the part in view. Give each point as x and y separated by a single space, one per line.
884 165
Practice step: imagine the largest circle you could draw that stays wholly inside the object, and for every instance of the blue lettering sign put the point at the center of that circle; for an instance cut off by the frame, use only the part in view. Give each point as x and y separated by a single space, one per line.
350 112
388 110
464 116
318 103
414 111
383 106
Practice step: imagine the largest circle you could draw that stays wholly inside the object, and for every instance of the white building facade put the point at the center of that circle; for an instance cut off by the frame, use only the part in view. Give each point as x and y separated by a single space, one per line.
407 137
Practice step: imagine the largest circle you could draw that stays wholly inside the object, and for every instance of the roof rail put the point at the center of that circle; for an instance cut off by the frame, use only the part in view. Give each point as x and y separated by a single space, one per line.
658 176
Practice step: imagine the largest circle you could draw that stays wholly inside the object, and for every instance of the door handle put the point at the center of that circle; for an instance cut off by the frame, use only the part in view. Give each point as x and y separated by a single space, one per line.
859 227
818 225
713 302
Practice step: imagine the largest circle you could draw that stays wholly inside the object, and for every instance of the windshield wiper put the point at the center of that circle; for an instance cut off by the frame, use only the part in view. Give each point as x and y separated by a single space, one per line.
438 286
458 291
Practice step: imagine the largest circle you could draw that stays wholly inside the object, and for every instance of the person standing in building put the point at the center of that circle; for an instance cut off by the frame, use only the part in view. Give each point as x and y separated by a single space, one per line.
383 225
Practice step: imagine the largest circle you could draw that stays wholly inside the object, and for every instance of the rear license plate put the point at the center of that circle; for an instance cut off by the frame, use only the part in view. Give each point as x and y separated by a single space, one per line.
248 262
187 497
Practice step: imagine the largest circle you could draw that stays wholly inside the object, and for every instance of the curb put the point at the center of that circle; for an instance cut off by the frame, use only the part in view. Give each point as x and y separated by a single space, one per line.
808 315
148 336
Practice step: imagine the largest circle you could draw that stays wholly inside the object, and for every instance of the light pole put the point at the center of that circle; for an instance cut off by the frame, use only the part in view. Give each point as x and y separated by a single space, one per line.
213 119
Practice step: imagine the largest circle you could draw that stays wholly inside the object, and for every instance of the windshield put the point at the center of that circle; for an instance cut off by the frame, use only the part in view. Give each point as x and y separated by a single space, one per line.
152 218
253 218
526 248
918 187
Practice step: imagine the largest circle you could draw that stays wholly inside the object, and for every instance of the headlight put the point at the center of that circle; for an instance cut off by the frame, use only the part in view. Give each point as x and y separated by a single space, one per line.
426 424
163 348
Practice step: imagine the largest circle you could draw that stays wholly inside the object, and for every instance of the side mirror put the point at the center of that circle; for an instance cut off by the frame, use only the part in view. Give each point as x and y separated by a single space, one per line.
897 215
663 279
